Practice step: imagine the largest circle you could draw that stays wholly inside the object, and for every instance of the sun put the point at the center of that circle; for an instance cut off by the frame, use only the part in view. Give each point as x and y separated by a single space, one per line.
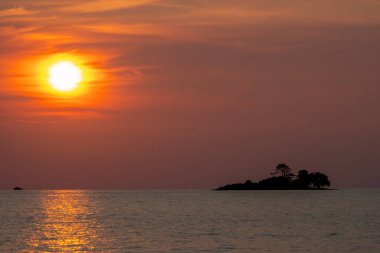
65 76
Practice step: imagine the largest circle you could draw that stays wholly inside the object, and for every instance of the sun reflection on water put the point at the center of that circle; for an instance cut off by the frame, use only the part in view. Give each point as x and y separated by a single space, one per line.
67 224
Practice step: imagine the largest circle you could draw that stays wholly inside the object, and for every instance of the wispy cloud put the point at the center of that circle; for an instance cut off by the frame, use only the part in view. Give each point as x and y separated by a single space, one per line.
132 29
104 5
154 44
12 12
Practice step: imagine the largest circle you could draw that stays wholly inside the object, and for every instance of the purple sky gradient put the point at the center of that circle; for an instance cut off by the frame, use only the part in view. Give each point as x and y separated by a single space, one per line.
197 94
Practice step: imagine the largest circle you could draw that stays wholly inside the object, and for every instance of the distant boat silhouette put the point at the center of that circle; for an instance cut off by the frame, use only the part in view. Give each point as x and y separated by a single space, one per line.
17 188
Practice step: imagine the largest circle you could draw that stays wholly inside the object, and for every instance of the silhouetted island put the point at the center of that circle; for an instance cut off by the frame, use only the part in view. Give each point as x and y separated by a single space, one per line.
17 188
286 181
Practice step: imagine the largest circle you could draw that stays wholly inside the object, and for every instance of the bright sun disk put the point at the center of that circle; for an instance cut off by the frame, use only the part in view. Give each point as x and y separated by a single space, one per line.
65 76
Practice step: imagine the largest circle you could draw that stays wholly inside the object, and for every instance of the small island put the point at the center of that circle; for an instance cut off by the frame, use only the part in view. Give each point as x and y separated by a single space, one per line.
285 181
17 188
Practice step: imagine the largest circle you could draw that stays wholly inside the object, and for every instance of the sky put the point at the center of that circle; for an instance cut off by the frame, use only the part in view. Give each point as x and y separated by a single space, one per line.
189 94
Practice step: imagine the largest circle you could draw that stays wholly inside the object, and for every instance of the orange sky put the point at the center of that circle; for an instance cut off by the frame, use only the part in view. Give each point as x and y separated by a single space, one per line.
189 93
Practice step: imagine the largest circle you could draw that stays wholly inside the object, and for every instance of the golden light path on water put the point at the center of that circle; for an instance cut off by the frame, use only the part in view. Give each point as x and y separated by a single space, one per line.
67 223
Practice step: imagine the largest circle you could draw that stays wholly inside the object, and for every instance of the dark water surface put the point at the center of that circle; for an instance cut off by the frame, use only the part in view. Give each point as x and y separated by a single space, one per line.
190 221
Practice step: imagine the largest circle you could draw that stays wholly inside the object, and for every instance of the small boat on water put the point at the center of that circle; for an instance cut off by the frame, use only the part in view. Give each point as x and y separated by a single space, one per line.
17 188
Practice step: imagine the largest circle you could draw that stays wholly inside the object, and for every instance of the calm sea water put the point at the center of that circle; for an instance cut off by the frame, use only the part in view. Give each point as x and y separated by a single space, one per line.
190 221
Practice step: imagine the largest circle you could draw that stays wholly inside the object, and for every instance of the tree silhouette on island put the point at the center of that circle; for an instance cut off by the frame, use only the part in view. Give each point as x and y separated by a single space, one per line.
286 181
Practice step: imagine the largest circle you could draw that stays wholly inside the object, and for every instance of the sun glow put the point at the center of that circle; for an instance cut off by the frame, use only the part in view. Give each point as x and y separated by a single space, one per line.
65 76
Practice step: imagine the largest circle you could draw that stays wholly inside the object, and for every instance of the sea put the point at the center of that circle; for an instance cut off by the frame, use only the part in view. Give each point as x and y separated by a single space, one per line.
346 220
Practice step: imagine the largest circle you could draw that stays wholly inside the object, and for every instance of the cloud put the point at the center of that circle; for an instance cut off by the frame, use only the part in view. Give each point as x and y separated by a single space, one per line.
19 11
13 30
104 5
172 48
125 29
18 98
